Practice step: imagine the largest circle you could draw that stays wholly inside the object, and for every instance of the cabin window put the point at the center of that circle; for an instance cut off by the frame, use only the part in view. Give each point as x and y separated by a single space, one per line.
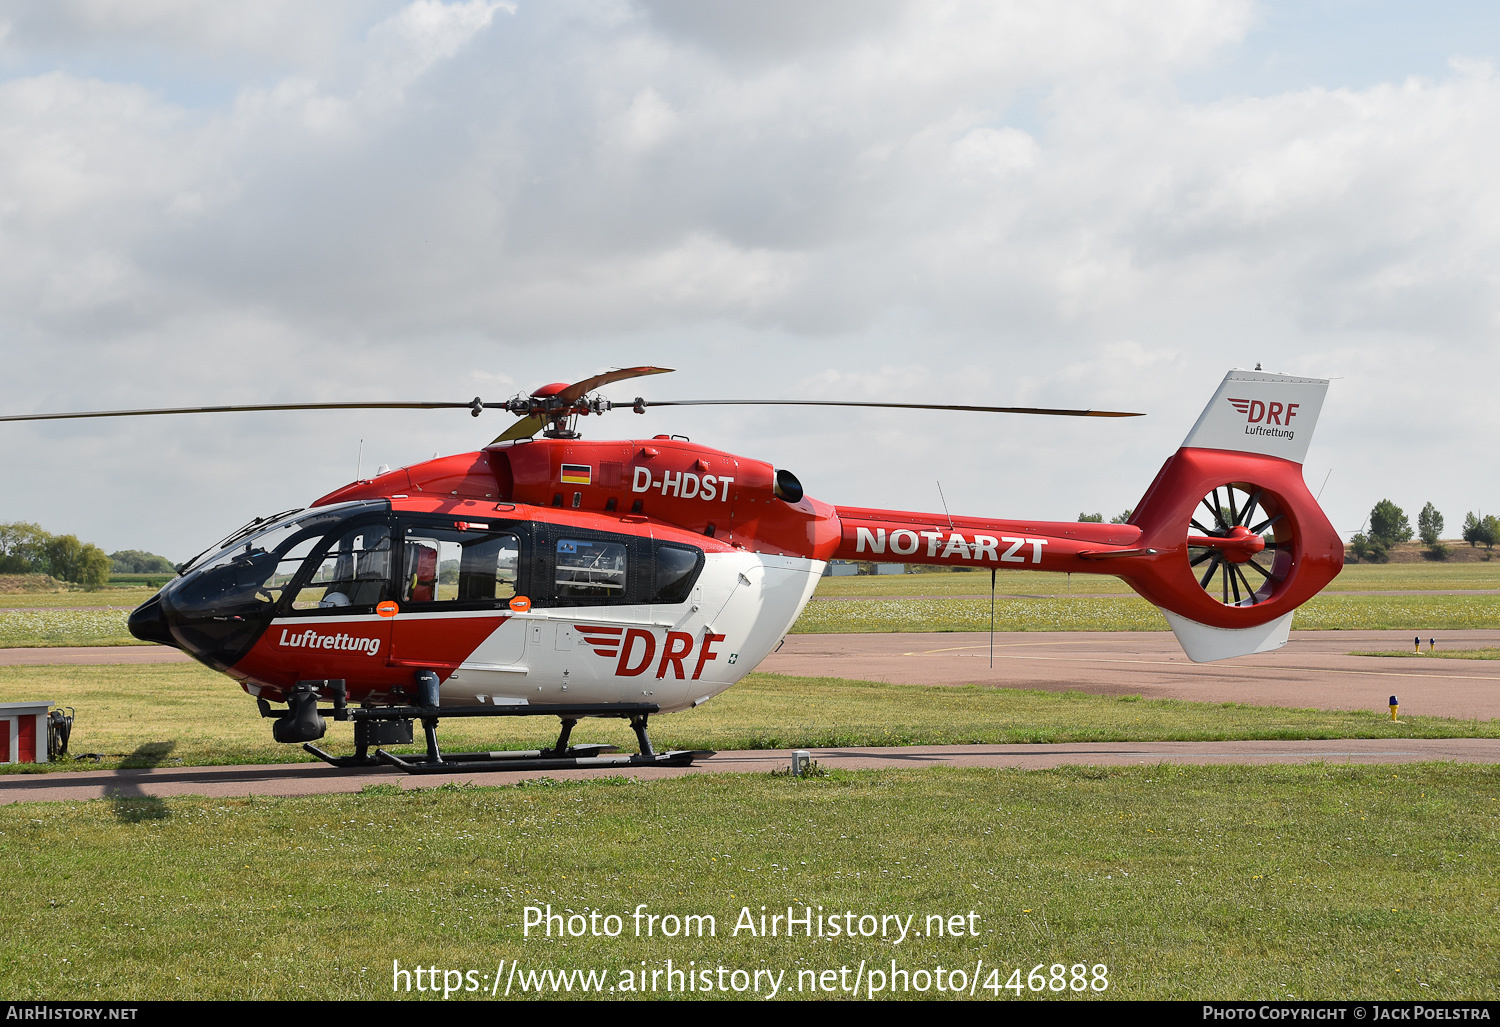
453 565
589 569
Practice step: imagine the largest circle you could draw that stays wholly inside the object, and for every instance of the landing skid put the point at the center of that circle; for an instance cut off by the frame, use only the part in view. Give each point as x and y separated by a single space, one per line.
578 757
377 726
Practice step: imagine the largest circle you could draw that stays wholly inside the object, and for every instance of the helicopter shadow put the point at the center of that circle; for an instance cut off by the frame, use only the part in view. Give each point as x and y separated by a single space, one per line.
131 805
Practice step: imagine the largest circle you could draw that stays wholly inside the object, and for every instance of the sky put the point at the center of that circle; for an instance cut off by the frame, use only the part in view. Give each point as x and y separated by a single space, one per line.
1103 204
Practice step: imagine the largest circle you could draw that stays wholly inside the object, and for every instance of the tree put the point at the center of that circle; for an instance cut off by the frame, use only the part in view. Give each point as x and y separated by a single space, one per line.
63 555
1388 524
1094 518
27 549
93 568
23 549
136 561
1430 526
1365 547
1124 518
1481 530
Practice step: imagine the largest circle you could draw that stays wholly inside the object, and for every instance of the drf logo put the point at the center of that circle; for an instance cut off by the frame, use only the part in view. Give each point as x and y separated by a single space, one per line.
1272 413
636 649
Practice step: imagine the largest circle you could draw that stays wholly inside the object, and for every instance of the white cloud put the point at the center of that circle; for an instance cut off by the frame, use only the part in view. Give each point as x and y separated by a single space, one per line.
421 35
996 203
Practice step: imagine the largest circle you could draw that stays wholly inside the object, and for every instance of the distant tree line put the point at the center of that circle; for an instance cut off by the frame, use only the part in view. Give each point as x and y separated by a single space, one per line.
1098 518
1390 527
28 549
134 561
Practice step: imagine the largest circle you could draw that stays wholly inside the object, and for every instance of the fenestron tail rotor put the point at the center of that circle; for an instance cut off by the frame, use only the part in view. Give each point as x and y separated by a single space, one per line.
1240 544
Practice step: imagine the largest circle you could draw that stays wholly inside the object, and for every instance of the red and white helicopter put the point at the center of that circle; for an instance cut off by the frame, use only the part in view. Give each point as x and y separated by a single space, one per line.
574 578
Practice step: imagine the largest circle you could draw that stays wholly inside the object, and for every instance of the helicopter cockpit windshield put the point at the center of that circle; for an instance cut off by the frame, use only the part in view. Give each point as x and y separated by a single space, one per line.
329 557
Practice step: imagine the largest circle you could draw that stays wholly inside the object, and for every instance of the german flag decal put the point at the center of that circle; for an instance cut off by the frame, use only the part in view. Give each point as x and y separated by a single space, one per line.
577 474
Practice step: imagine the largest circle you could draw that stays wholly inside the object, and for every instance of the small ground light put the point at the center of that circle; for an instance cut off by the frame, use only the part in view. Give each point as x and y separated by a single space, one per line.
800 760
1394 707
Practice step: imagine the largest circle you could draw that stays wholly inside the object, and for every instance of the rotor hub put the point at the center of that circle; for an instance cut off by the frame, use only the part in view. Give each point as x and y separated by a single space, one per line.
1240 544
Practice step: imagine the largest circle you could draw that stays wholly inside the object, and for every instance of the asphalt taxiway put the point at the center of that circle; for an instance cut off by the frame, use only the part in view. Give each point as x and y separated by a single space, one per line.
1313 670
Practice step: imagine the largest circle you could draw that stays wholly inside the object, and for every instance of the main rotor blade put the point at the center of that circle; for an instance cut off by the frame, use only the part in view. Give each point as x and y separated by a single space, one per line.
640 405
578 390
525 428
530 424
240 409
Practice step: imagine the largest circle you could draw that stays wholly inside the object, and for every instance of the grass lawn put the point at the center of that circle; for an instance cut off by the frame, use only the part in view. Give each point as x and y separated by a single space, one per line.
120 598
170 714
846 605
1354 577
34 629
1330 611
1319 882
1326 612
1441 654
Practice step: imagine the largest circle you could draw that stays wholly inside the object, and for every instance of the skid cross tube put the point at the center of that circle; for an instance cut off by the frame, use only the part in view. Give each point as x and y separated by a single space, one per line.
561 756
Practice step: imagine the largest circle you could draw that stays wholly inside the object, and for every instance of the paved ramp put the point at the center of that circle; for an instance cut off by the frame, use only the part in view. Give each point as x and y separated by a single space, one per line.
1312 670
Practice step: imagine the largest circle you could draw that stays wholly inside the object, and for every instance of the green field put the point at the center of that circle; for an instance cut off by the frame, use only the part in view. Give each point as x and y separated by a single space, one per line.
1354 577
1440 654
120 598
927 602
184 714
32 629
1326 612
1320 882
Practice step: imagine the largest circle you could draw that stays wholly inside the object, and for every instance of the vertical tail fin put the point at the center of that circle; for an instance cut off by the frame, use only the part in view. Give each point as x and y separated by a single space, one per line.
1257 412
1240 541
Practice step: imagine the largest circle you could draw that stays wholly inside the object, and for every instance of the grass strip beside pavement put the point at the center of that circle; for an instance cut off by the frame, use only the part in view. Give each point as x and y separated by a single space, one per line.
125 598
183 714
63 627
35 629
60 626
1441 654
1326 612
1252 883
1354 577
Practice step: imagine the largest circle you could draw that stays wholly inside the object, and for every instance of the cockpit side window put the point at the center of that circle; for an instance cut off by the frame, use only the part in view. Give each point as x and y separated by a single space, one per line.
352 572
251 575
677 569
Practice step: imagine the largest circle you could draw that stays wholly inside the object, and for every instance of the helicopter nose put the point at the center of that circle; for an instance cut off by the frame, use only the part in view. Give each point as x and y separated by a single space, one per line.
148 622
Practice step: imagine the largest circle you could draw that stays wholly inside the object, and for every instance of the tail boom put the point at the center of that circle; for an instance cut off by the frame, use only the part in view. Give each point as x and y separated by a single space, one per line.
1230 503
897 536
